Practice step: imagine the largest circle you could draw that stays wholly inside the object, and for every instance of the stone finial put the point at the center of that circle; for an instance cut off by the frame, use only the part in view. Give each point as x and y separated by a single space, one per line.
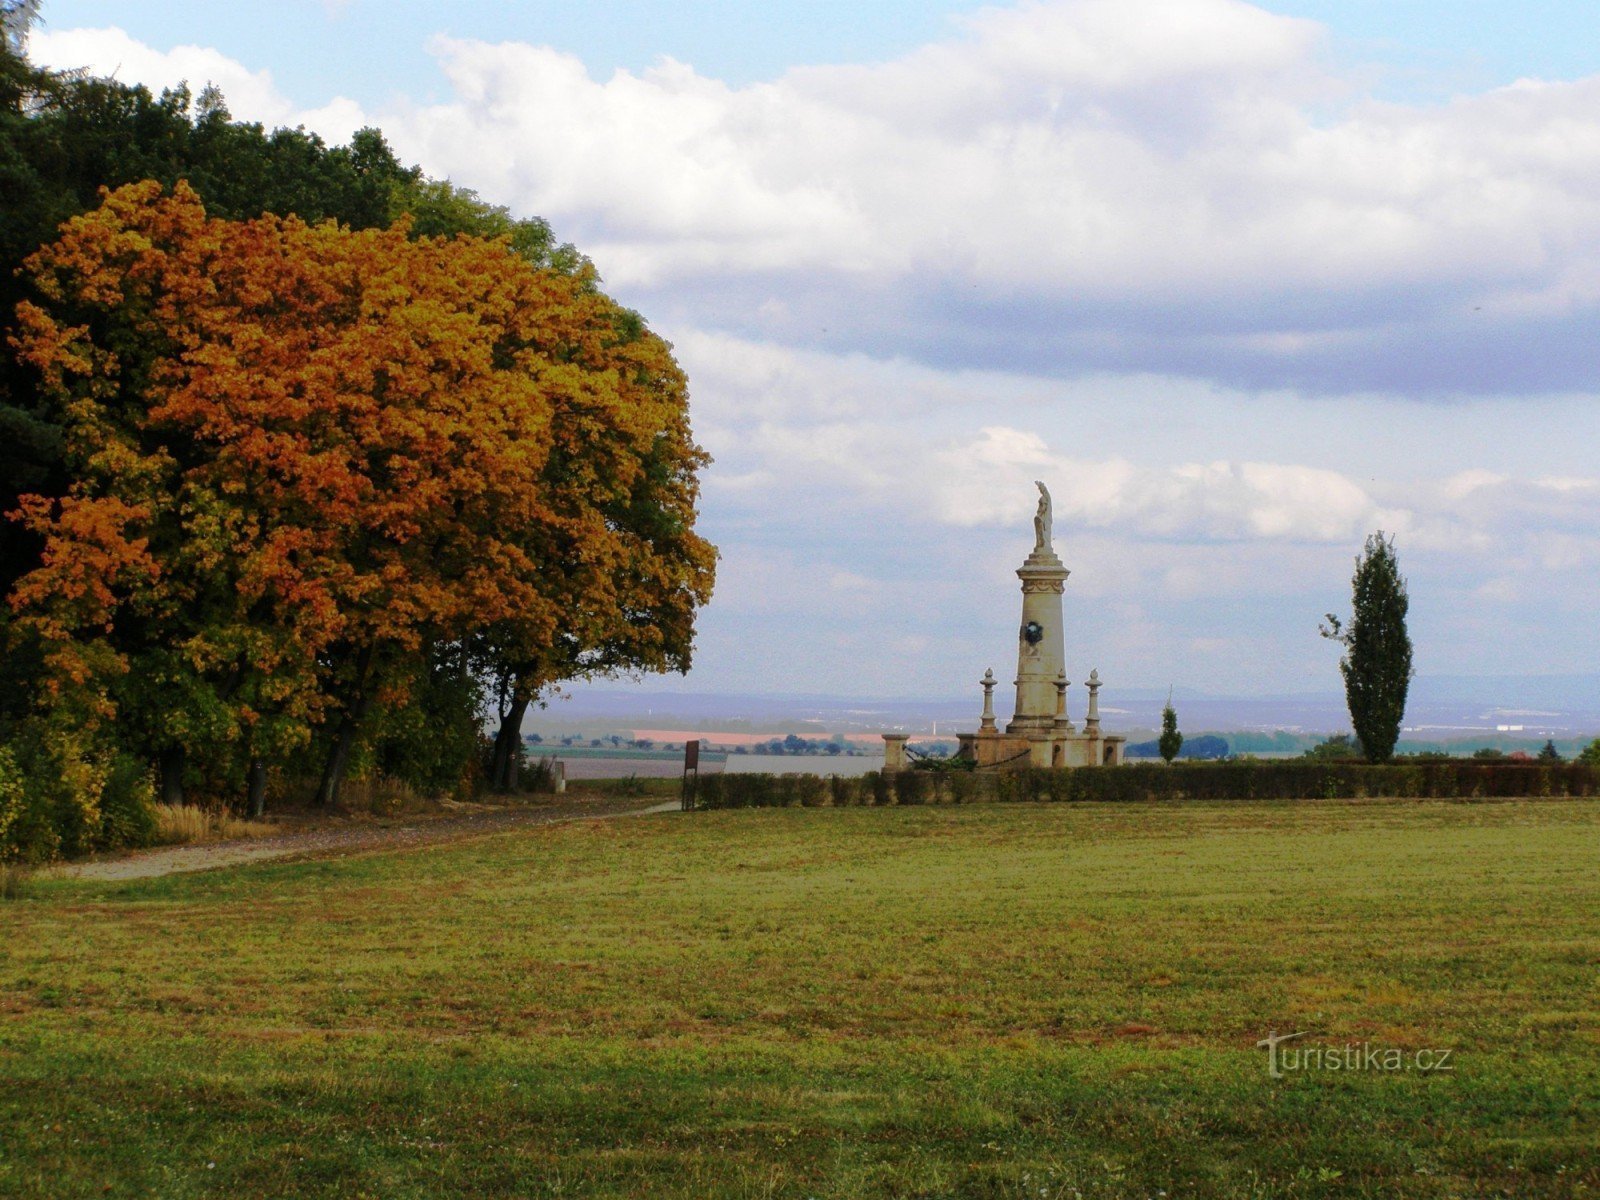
987 683
1091 723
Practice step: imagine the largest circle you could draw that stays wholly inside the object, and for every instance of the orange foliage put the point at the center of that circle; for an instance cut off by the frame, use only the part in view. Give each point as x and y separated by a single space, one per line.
297 441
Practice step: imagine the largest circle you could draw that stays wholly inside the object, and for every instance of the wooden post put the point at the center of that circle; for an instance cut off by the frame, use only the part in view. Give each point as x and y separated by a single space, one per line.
691 772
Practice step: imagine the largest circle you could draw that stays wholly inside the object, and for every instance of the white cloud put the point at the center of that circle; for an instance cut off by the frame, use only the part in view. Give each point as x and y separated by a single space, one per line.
1179 185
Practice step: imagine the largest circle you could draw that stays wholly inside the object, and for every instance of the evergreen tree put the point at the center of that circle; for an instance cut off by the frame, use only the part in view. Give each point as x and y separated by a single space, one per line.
1550 753
1171 741
1377 662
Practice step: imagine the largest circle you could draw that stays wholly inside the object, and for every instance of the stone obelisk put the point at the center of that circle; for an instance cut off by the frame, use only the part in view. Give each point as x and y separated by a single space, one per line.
1041 642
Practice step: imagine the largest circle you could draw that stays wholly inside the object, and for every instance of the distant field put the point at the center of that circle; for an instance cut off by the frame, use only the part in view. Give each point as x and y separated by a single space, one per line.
978 1001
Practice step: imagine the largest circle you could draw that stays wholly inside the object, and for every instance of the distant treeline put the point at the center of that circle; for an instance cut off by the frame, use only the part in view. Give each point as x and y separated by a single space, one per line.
1206 745
1282 742
792 744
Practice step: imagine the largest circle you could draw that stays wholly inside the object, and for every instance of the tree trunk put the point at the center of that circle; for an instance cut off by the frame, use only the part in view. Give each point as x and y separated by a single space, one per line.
256 799
506 759
172 763
344 741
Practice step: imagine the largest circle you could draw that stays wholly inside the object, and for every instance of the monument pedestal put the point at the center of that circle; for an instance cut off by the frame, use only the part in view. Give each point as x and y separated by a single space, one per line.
1041 643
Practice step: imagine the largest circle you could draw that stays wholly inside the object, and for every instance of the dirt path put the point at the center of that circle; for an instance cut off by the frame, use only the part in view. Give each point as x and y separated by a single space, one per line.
206 856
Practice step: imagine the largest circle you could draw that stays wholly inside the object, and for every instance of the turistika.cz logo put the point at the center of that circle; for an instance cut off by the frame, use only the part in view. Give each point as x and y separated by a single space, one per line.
1352 1056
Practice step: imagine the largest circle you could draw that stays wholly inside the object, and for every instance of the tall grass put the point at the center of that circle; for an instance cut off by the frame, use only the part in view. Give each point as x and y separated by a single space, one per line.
177 824
383 796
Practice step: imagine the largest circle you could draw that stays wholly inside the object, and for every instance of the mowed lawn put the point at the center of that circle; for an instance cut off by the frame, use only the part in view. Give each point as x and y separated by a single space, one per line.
1039 1001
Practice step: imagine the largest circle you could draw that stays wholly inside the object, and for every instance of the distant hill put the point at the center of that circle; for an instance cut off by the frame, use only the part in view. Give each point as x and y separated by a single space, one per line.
1206 745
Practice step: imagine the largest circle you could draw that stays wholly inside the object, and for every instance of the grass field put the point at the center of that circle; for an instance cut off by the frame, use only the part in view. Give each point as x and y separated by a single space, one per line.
979 1001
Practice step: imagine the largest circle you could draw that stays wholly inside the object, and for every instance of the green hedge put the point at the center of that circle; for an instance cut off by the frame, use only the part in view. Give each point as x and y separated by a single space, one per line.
1288 780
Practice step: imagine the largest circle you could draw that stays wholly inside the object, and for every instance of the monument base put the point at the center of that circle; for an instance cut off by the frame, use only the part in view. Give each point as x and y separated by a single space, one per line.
1020 751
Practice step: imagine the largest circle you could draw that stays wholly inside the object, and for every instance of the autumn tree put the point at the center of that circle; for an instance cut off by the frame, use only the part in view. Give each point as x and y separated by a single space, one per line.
306 458
64 137
623 488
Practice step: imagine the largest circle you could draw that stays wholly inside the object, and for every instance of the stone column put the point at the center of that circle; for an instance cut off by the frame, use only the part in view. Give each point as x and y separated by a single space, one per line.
894 751
1094 747
1063 723
986 725
1041 643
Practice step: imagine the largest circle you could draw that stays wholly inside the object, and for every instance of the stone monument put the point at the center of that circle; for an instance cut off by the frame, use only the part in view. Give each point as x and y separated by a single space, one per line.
1040 734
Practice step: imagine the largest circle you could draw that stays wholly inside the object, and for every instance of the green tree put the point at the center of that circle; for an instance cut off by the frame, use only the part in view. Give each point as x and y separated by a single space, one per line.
1377 662
1341 747
1171 741
1549 754
1591 753
16 17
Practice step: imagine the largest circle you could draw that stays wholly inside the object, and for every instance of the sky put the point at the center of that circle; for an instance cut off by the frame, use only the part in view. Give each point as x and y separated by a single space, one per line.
1241 283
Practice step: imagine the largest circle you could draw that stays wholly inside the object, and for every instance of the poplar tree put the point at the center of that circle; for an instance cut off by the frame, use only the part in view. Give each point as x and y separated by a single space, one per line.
1171 740
1377 662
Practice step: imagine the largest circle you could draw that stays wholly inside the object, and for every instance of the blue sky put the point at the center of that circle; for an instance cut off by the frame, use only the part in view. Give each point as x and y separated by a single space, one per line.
1241 282
370 50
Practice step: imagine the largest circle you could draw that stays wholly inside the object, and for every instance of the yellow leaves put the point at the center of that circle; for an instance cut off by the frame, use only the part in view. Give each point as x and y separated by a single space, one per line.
309 437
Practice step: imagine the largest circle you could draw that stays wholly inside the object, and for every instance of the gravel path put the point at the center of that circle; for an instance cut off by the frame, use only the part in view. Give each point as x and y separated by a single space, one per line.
206 856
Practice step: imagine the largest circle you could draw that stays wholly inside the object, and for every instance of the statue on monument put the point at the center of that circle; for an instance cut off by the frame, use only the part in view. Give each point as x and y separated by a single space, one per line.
1042 543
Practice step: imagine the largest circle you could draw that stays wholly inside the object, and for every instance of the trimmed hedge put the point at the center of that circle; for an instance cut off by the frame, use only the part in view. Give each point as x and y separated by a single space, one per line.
1289 780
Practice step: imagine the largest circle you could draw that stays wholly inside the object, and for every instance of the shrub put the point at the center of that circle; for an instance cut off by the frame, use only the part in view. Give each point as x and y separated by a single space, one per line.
12 797
538 774
1288 779
843 791
882 787
812 789
961 786
127 805
911 787
710 794
53 792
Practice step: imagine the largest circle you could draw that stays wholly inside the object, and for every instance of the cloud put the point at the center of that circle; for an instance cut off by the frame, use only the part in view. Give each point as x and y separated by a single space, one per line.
1144 184
1180 186
1143 461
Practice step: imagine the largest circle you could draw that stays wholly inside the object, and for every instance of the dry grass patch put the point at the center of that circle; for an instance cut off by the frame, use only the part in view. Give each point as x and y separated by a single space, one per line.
179 824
